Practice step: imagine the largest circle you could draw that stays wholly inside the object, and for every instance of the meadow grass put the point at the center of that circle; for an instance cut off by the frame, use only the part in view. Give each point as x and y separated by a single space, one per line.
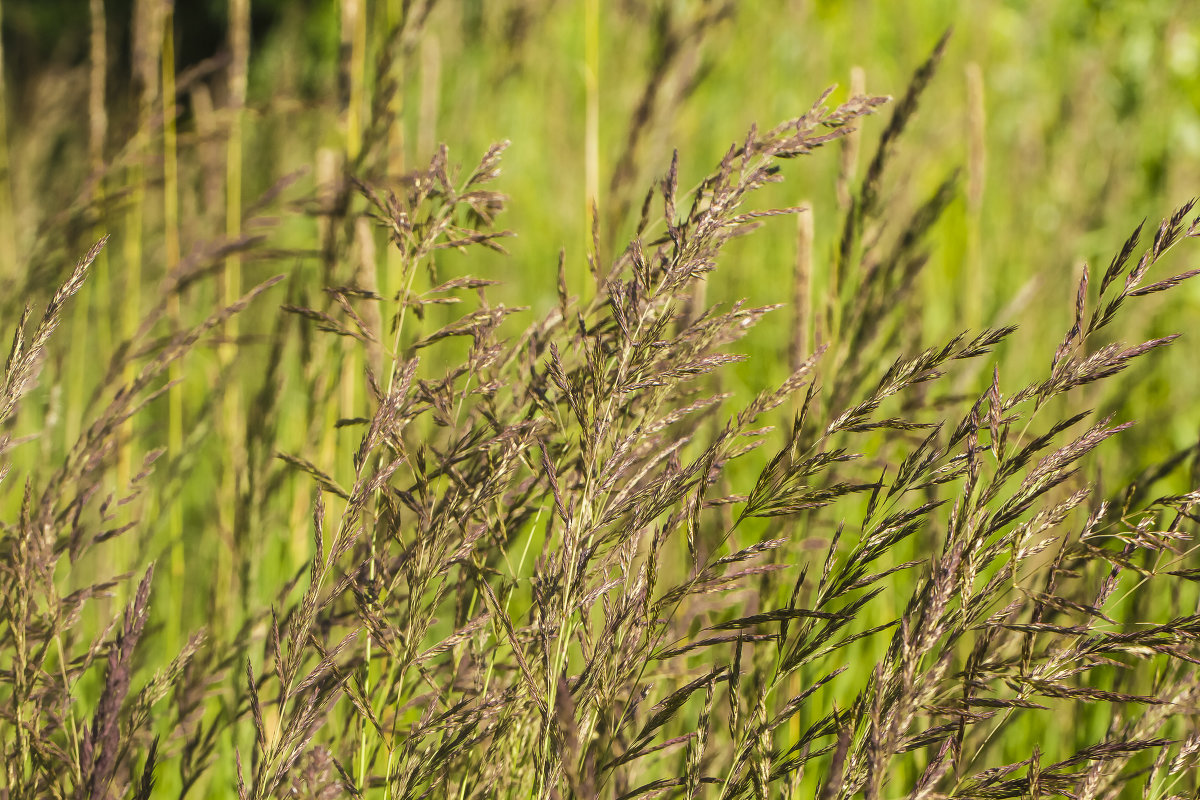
335 461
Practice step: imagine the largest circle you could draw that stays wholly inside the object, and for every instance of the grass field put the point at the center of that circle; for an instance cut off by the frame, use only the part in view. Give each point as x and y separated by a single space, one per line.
396 407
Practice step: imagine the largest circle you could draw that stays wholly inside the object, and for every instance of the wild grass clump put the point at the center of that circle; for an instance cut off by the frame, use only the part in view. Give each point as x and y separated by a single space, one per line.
561 560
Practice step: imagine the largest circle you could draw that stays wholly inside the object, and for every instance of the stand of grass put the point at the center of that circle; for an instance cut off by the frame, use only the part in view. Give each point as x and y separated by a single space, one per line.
568 559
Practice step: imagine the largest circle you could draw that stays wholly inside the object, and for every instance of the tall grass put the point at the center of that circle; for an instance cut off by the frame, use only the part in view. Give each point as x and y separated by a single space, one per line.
629 538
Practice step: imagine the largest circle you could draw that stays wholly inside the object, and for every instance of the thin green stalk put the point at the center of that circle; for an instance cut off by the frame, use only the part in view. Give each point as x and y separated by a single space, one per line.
175 396
394 263
96 295
802 293
232 478
975 288
147 30
354 34
228 568
8 248
591 80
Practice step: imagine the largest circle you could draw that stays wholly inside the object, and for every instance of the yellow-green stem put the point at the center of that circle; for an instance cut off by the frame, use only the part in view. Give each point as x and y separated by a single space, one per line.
8 250
591 77
239 46
175 397
354 33
975 287
146 32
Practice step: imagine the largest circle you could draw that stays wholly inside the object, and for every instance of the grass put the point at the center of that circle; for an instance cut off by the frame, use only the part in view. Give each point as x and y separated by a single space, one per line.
312 505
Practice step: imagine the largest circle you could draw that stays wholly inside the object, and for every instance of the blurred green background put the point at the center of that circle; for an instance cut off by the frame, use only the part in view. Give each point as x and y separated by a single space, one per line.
1069 124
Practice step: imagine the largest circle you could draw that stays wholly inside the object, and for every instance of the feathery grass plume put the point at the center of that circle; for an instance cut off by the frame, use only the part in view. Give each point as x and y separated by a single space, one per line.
50 652
619 410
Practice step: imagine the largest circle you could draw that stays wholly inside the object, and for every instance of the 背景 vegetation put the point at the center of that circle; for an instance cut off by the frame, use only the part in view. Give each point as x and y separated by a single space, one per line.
299 500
